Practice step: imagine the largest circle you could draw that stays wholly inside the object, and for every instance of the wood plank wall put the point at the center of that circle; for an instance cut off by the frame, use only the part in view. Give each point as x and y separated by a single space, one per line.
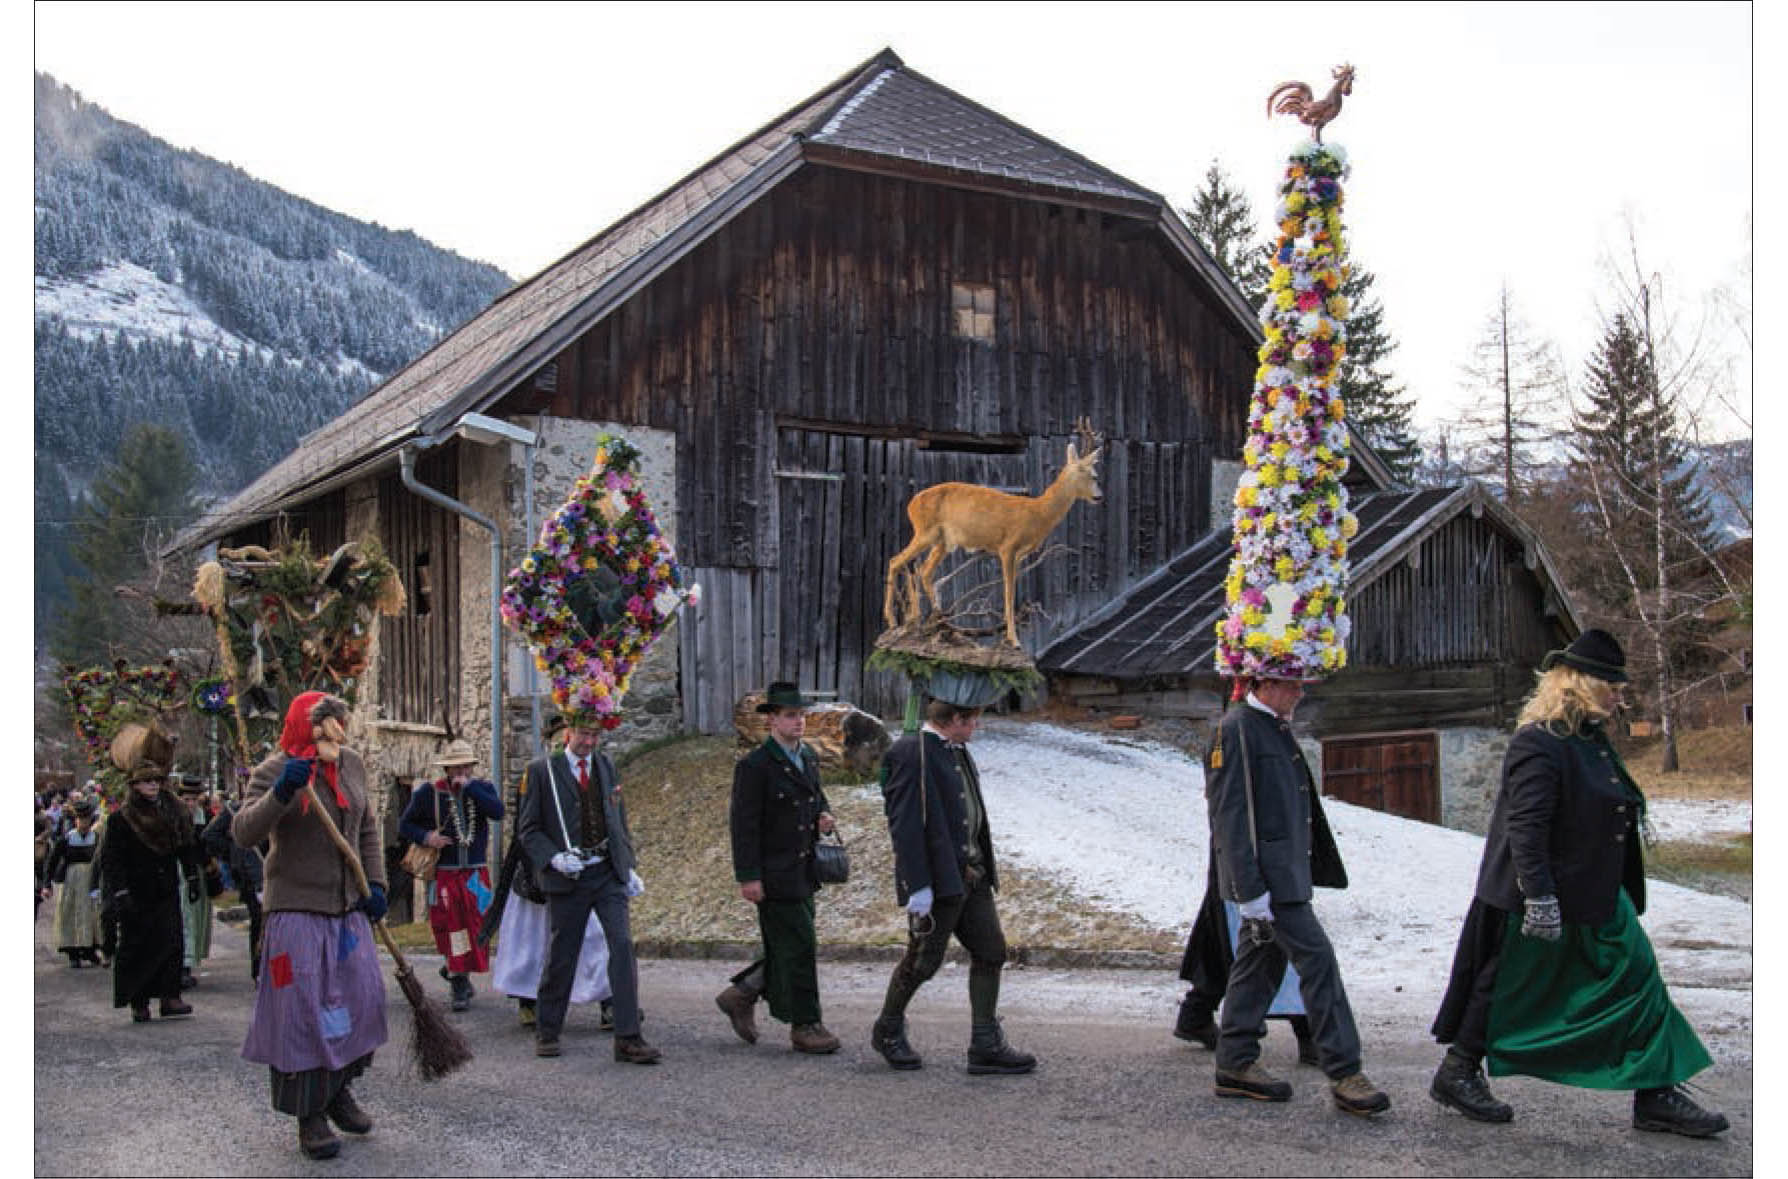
419 650
815 333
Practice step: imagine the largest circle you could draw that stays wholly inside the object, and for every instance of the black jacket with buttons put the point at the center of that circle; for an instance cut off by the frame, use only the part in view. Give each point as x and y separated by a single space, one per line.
928 821
1282 846
774 819
1565 825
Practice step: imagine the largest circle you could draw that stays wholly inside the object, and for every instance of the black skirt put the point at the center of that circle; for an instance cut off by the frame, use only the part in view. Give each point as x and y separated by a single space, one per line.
1472 982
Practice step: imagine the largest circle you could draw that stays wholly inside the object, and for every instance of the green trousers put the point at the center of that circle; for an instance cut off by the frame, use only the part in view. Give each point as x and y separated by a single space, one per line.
787 974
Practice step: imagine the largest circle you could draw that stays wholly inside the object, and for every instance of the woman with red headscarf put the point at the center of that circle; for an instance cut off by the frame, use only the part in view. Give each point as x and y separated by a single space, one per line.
320 1005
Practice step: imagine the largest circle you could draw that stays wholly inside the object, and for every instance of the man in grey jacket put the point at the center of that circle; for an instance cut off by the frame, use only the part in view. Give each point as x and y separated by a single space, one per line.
574 829
1273 845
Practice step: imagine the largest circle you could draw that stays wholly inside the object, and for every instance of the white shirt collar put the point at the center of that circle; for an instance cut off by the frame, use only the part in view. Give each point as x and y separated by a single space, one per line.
1255 701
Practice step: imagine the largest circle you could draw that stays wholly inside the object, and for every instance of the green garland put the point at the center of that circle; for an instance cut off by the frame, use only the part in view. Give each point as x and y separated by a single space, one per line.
924 667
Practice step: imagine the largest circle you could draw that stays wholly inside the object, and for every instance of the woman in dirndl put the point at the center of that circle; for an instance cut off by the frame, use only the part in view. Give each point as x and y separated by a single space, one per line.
453 814
76 923
1553 976
320 1000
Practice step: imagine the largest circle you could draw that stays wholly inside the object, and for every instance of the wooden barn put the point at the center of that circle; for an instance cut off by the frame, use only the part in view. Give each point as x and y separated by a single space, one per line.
886 287
1454 603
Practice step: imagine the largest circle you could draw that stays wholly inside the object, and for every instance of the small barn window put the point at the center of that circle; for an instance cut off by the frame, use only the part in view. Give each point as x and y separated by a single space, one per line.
972 306
422 585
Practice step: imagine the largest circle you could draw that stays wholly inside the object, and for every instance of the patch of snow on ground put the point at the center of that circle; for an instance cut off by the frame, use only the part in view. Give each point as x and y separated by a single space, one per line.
128 299
1713 820
1123 822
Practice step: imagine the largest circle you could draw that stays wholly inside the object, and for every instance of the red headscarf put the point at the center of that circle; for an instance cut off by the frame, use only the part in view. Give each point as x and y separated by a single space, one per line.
298 740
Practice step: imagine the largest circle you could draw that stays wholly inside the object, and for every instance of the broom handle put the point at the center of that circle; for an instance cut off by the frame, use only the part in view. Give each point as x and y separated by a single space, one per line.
354 865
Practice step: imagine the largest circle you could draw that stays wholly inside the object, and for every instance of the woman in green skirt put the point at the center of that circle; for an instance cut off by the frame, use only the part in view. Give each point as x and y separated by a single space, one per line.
1553 977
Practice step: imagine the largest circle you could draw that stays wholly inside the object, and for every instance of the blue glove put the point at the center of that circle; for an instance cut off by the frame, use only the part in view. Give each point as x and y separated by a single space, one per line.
294 779
373 905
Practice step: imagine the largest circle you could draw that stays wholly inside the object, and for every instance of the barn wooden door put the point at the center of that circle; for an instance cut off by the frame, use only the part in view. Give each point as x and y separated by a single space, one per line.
1398 773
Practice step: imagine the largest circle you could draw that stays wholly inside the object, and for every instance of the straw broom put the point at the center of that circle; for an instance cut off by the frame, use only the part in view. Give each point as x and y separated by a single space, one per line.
436 1046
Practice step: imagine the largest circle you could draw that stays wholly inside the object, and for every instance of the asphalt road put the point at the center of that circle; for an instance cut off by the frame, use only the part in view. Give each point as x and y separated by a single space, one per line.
1114 1094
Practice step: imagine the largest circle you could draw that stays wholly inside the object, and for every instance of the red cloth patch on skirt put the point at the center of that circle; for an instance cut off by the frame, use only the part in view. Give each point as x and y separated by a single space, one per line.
282 970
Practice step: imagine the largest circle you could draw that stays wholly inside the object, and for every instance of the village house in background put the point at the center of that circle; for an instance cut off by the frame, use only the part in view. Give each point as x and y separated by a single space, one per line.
887 287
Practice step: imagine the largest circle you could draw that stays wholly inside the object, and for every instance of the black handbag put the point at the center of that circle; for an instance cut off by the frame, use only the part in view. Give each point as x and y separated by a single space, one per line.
832 861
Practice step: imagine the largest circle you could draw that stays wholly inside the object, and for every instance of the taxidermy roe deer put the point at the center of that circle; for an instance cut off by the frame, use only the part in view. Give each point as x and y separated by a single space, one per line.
954 516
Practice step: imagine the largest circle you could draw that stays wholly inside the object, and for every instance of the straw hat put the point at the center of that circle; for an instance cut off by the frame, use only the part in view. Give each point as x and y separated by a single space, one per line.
457 754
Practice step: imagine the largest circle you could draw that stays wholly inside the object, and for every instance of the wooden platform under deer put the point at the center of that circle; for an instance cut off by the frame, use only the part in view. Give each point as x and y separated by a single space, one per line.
945 660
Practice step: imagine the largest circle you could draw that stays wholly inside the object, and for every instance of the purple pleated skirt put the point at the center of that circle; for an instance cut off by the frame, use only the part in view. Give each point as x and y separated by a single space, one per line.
321 997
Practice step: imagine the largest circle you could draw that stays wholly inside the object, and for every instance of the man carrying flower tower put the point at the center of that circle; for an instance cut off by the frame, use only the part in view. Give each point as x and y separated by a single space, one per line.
1286 625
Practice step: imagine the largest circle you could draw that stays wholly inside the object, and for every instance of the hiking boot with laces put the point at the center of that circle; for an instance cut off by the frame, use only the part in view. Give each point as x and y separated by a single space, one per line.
812 1038
1671 1111
889 1039
1460 1084
1252 1081
989 1053
1356 1095
737 1003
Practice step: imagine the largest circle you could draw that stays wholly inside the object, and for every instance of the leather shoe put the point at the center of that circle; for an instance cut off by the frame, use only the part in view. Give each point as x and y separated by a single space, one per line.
347 1115
1356 1095
1459 1084
737 1004
1195 1026
890 1041
139 1013
812 1038
316 1139
1671 1111
635 1050
1252 1081
174 1008
989 1053
526 1012
605 1021
546 1046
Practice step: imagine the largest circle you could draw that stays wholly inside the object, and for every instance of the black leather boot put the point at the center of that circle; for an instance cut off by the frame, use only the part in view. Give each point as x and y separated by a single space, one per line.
1195 1024
1671 1111
347 1115
316 1139
1460 1084
889 1039
989 1053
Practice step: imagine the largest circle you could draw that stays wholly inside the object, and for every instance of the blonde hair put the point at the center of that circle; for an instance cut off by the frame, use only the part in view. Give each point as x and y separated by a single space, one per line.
1563 700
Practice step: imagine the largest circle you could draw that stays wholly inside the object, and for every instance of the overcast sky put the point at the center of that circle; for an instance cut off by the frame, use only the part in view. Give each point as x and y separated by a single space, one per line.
1490 142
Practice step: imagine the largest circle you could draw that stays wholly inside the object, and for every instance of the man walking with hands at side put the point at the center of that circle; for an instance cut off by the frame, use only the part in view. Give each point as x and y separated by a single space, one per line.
574 829
1272 846
944 876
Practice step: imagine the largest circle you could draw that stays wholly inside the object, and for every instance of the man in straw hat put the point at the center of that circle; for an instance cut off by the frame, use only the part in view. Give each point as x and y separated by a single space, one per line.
1552 943
320 1003
777 815
574 828
453 814
944 875
1272 846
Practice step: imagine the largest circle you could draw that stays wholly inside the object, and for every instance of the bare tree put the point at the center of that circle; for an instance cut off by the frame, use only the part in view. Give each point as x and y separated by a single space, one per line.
1504 434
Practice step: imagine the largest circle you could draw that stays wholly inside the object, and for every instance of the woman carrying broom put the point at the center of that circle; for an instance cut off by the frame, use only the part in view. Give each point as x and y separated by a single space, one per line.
320 1003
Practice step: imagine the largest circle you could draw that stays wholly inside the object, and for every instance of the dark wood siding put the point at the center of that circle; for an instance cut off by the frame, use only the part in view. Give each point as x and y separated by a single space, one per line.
1398 773
419 663
324 521
815 332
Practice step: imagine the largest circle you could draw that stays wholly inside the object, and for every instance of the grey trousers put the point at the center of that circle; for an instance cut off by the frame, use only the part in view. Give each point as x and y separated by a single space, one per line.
568 913
1255 979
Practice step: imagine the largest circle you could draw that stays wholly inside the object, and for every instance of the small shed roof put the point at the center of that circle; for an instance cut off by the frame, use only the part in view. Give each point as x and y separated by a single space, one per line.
1166 625
881 116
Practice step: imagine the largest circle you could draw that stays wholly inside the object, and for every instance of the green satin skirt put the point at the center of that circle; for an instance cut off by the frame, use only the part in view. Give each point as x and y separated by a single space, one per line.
1589 1010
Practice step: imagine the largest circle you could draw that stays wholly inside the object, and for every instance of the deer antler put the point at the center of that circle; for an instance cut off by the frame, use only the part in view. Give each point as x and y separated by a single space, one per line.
1088 437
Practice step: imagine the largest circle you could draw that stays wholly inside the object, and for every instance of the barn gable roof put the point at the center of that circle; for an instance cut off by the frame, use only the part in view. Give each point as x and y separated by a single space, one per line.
880 116
1166 624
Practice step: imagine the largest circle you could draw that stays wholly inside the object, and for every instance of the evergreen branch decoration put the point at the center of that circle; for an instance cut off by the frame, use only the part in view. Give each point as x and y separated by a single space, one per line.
289 623
103 700
1287 615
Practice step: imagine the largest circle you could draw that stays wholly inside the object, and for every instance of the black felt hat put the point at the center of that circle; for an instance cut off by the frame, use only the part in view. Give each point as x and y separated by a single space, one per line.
782 694
1594 652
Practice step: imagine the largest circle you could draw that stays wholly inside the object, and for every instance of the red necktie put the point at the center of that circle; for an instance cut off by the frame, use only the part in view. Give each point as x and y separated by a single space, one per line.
583 775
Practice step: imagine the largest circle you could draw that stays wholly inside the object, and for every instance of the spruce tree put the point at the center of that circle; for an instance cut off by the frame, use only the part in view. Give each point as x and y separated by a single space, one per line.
1379 409
1223 222
135 505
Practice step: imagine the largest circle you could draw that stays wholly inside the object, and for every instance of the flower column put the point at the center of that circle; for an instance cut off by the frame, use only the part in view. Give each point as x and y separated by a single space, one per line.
1286 616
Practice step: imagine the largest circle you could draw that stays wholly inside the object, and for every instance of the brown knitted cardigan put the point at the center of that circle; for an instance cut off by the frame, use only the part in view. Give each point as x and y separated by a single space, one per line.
304 869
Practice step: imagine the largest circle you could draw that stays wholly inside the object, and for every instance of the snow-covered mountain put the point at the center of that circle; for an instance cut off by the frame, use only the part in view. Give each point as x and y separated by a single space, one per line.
174 289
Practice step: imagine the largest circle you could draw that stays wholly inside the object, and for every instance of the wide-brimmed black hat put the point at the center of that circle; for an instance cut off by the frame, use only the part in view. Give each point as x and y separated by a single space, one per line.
782 694
1594 652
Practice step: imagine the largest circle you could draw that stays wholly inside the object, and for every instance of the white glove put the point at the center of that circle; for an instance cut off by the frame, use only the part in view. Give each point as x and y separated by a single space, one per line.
635 885
93 894
919 903
1258 909
567 865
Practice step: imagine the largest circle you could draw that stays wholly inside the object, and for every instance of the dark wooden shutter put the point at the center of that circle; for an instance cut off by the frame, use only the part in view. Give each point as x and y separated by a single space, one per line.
1398 773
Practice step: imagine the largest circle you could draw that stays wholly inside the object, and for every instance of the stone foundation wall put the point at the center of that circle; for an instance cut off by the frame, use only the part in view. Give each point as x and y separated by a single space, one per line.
1470 774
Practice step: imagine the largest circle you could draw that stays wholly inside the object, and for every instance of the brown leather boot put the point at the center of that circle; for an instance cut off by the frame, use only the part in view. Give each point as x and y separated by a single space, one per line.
738 1004
635 1050
812 1038
316 1139
347 1115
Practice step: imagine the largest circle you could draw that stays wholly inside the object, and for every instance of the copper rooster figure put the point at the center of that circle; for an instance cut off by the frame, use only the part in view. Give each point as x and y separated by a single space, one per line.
1299 100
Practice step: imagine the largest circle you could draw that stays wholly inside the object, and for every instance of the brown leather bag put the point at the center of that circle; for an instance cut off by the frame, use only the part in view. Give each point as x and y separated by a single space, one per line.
419 859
